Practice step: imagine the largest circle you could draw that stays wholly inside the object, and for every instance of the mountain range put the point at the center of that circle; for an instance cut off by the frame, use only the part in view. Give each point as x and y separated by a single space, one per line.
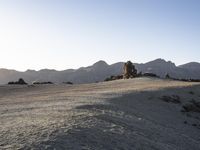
101 70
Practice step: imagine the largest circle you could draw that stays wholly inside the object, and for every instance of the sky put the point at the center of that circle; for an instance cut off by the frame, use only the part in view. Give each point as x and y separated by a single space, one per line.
63 34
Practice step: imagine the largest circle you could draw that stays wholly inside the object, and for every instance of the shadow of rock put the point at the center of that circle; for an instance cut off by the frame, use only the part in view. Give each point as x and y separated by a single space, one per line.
139 120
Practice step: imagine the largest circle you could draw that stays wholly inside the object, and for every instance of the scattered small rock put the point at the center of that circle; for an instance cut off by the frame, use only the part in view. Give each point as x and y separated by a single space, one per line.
68 82
193 106
150 75
43 82
111 78
194 124
171 99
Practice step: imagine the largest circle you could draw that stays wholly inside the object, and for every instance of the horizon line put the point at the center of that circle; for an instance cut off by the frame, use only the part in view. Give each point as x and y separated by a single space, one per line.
29 69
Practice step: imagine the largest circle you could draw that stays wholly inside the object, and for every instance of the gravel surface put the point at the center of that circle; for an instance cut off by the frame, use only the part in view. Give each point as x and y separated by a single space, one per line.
119 115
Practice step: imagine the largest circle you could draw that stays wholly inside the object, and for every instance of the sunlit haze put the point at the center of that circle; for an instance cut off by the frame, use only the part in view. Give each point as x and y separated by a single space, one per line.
63 34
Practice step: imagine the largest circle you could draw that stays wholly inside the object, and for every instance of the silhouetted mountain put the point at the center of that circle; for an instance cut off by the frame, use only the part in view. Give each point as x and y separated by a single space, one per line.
191 69
101 70
158 66
100 65
191 65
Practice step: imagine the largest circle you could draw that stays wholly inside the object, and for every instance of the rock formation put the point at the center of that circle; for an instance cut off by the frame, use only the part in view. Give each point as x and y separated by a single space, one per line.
20 81
111 78
167 76
129 70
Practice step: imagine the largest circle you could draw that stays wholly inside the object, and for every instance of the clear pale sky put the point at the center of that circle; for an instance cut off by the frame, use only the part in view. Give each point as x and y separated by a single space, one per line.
62 34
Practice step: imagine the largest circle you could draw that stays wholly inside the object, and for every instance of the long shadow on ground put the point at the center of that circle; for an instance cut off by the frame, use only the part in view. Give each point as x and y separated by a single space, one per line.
147 120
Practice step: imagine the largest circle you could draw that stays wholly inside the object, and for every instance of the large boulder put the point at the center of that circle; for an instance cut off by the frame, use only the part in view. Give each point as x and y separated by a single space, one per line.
129 70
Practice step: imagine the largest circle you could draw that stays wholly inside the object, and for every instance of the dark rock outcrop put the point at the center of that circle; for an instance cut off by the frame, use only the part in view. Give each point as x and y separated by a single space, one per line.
68 82
193 106
150 75
167 76
43 82
114 78
20 82
171 99
129 70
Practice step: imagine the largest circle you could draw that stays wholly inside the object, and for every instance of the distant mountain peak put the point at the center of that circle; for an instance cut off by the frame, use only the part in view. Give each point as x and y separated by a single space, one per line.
161 62
160 59
100 63
47 70
191 65
30 70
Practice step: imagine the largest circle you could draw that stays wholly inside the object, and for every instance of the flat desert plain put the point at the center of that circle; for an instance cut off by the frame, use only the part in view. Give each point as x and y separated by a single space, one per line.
133 114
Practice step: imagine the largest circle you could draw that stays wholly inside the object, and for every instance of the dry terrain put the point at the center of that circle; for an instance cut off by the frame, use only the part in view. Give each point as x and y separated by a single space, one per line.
140 114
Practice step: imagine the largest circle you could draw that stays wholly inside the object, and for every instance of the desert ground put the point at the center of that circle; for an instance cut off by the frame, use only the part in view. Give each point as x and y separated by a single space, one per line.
132 114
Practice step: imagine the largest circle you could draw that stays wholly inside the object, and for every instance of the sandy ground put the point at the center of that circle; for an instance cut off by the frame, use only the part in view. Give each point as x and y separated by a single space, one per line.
120 115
